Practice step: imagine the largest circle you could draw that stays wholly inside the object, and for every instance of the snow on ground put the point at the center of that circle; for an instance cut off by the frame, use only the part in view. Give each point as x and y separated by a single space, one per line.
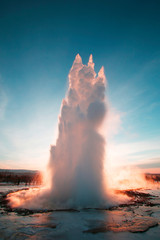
133 221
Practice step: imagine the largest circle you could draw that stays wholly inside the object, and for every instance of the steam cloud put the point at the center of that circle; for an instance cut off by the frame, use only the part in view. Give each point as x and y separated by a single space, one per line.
76 161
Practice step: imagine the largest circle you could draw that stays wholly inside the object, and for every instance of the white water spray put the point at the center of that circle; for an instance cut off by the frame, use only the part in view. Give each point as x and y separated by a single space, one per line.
76 161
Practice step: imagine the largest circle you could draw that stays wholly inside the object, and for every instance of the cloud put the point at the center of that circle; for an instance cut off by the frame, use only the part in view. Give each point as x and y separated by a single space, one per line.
140 152
151 163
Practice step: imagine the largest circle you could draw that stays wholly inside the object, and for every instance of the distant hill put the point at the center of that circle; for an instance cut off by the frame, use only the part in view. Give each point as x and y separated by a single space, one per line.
20 176
154 177
19 170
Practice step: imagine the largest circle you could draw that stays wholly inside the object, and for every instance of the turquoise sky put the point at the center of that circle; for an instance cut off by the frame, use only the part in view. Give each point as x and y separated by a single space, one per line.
38 43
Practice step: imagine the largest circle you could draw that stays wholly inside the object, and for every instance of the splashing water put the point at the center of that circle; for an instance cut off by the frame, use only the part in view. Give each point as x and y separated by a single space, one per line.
76 162
77 167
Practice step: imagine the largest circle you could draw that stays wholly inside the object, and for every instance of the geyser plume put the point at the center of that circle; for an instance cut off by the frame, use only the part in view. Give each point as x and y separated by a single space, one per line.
76 161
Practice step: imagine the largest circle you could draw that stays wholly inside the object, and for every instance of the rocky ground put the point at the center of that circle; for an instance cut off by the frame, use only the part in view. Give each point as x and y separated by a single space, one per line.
139 218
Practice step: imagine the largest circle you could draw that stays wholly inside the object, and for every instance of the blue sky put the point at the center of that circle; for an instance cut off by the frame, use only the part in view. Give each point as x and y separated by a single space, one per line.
38 43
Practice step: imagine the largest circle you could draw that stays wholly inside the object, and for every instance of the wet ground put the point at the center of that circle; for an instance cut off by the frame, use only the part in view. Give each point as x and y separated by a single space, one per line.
137 219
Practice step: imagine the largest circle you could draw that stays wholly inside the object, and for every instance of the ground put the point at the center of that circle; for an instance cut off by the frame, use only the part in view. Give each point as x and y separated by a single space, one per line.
139 218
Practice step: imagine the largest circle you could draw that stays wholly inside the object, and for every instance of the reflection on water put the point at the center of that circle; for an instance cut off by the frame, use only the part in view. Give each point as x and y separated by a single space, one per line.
84 224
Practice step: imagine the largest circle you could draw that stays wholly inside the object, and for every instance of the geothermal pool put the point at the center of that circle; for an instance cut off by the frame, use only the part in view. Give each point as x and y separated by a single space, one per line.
138 218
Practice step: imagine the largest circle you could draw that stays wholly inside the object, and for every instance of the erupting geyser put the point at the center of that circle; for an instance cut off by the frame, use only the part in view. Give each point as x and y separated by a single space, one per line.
76 161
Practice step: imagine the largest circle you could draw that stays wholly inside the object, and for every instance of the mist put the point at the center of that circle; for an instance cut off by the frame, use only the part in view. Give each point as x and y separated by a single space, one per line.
77 159
77 177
